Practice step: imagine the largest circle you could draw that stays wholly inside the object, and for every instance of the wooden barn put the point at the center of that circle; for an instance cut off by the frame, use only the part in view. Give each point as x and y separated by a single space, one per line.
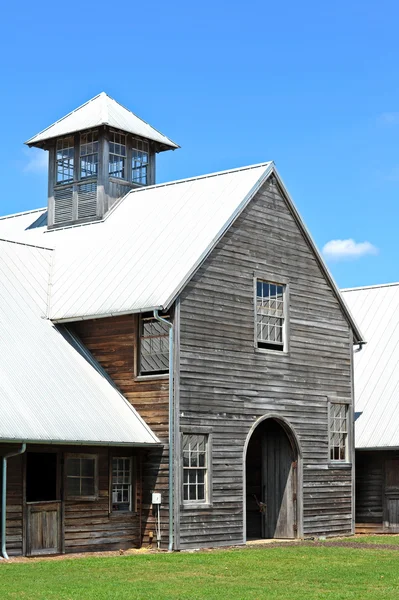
175 359
377 408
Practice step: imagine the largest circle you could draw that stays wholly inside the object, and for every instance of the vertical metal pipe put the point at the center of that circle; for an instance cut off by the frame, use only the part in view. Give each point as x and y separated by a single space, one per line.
171 427
4 499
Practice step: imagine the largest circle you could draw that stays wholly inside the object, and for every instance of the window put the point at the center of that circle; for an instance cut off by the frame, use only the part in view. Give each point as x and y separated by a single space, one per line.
64 160
270 315
195 468
339 432
139 161
121 484
81 477
154 346
89 154
117 155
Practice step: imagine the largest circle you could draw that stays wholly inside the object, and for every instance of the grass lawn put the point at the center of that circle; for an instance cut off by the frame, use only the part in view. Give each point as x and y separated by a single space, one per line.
295 573
373 539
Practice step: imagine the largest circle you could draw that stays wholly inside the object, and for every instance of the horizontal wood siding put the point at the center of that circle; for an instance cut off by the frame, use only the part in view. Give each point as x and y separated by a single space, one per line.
113 342
227 385
86 525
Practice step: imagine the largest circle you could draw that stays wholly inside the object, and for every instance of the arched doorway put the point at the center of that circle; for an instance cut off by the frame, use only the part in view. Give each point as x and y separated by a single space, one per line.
271 482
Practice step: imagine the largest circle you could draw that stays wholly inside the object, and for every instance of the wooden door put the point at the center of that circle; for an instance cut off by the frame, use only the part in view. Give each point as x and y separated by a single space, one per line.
43 528
391 500
278 486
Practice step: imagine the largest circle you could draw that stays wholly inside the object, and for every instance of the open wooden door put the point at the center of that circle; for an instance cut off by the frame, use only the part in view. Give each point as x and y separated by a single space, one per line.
43 504
278 485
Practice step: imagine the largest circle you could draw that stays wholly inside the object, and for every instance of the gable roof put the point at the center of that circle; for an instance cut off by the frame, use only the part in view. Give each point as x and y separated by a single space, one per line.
146 249
102 110
376 367
49 390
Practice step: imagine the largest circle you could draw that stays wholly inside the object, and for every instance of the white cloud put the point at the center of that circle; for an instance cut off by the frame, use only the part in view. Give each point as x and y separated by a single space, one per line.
347 249
389 118
37 161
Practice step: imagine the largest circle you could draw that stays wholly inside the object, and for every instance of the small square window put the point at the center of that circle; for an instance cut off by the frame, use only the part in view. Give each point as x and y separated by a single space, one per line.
81 477
270 315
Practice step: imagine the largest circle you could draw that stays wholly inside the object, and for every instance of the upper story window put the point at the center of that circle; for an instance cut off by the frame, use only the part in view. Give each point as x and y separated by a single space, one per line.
117 155
88 154
195 468
81 476
140 159
65 159
154 346
122 498
338 423
270 315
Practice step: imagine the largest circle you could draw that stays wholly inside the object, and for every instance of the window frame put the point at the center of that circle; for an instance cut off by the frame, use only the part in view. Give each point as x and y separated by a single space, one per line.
133 485
112 176
273 279
347 461
139 141
71 160
207 502
92 497
89 132
150 374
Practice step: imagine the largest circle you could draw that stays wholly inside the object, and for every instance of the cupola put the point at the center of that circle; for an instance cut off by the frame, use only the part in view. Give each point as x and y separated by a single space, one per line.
97 153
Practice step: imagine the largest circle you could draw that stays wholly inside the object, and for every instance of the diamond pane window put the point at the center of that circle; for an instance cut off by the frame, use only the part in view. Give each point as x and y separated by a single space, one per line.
339 432
195 465
81 477
270 315
154 346
64 160
89 154
121 484
140 159
117 155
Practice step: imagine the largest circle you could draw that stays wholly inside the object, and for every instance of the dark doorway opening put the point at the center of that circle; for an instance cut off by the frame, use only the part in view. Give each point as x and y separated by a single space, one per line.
41 476
271 483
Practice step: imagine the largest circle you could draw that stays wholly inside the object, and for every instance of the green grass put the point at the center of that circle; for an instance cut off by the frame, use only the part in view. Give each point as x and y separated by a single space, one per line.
372 539
295 573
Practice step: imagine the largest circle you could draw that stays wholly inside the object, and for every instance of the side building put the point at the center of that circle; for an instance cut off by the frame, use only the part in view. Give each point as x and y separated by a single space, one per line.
377 408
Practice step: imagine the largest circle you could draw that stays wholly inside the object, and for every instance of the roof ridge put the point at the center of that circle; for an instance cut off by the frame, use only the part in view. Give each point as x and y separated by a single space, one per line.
26 244
22 213
370 287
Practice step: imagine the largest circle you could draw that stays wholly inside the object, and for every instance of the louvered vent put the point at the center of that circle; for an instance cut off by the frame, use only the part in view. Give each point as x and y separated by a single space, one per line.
87 200
62 205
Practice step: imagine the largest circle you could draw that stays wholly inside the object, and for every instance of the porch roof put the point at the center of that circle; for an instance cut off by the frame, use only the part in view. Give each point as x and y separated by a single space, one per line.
51 389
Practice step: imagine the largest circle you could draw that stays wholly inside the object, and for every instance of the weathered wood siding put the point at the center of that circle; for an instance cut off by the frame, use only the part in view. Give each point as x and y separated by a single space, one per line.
226 385
113 342
85 526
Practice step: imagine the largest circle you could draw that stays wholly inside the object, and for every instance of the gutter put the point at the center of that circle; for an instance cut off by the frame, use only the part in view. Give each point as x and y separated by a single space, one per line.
171 426
4 499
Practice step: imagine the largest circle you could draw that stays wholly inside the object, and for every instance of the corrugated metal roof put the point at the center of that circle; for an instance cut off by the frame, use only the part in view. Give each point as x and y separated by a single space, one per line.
49 392
376 367
145 250
101 110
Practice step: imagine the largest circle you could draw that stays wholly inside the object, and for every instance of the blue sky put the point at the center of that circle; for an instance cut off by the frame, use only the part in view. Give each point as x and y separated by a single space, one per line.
311 85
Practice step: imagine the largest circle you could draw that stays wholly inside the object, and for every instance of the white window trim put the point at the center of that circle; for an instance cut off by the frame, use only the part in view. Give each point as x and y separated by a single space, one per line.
276 280
133 494
82 498
207 502
348 458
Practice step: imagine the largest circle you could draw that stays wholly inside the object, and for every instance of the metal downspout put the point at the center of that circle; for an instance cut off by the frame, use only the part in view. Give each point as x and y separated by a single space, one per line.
171 427
4 499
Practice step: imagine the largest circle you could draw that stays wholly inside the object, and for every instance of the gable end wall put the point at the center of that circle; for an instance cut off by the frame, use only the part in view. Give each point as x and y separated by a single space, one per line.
226 385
